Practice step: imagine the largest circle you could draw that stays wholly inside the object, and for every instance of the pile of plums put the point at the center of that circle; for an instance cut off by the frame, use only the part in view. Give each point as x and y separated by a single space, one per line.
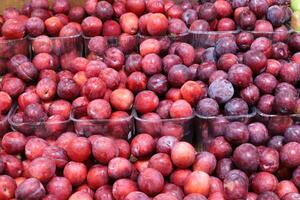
103 169
119 123
107 168
250 69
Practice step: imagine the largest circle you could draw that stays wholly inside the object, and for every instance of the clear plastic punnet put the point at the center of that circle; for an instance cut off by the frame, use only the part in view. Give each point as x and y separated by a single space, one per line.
43 129
181 128
209 128
278 125
95 47
62 49
206 39
118 128
9 48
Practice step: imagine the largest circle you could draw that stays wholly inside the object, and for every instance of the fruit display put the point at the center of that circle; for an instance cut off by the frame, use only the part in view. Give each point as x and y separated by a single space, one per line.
156 99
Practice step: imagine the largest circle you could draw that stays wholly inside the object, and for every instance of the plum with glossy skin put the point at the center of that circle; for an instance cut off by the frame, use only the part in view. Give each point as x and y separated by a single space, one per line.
151 182
236 106
266 83
146 101
129 23
142 145
35 26
289 72
136 82
237 133
137 7
98 45
94 88
280 51
60 187
220 147
42 169
119 168
186 52
137 196
13 29
165 144
240 75
177 27
250 94
284 102
150 46
121 99
5 102
97 176
256 60
285 187
221 90
76 14
104 149
158 83
162 163
276 15
30 189
104 10
264 181
8 187
75 172
104 193
207 12
122 187
111 28
91 26
53 26
258 133
262 44
13 167
151 64
291 196
179 74
99 109
246 19
181 109
34 148
35 113
13 142
287 154
205 162
13 86
224 166
85 149
183 155
192 92
236 185
67 89
58 154
197 182
246 157
114 58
